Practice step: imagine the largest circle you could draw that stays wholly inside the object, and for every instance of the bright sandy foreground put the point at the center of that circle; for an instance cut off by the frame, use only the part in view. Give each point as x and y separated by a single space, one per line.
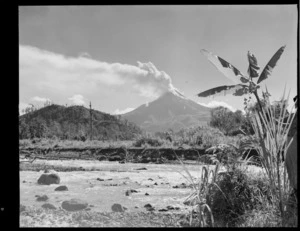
103 194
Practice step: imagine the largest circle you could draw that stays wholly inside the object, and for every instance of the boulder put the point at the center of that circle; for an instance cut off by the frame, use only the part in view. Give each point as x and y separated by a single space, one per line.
130 191
141 169
49 178
74 205
48 206
163 210
118 208
42 198
61 188
149 207
22 208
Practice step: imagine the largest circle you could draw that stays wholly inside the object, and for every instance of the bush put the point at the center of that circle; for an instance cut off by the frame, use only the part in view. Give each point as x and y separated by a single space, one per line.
204 136
147 140
239 194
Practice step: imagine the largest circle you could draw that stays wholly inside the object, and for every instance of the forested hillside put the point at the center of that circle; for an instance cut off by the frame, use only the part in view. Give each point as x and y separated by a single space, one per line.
74 123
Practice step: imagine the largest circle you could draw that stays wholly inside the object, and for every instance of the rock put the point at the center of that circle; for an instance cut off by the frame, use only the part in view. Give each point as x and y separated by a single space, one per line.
141 169
150 179
130 191
118 208
24 181
163 210
61 188
146 194
183 185
149 207
74 205
169 207
100 179
22 208
111 185
47 179
42 198
48 206
155 183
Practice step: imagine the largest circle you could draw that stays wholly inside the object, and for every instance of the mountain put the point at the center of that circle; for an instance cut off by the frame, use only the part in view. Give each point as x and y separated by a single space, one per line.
172 110
74 123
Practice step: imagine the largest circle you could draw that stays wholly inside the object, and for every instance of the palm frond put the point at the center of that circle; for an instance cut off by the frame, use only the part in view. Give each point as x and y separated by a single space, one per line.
270 65
225 67
236 90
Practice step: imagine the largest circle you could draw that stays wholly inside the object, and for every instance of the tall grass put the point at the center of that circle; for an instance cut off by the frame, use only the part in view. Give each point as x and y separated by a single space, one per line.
199 198
271 133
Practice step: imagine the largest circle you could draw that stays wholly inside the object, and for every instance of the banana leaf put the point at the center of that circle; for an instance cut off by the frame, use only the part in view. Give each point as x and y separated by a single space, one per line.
253 70
271 64
225 67
236 90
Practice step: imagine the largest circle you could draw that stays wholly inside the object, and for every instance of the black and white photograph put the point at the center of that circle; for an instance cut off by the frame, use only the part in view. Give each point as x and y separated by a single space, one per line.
158 115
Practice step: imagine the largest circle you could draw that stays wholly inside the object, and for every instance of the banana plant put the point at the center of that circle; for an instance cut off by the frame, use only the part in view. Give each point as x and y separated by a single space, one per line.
247 84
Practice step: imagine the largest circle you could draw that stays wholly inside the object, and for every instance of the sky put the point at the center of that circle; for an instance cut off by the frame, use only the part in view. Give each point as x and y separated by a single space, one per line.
120 57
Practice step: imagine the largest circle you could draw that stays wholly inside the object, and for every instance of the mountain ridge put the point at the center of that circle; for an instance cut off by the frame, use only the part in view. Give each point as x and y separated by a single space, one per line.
73 122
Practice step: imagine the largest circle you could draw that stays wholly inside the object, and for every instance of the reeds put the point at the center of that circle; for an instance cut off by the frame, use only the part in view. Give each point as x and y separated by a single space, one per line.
199 198
271 132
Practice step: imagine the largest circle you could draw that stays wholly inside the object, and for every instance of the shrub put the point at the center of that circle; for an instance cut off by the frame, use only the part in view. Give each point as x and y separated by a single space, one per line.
203 136
238 194
147 140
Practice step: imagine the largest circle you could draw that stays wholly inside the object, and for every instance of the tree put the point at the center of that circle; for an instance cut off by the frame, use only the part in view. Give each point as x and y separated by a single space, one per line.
227 121
23 130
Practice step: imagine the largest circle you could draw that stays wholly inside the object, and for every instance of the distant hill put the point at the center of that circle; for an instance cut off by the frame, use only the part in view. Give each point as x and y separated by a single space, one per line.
170 111
73 123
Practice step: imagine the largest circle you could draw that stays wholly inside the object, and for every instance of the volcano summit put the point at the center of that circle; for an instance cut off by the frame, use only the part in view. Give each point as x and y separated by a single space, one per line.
172 110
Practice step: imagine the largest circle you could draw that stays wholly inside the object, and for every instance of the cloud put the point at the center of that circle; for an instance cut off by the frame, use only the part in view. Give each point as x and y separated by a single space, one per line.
48 71
120 112
85 55
77 100
22 106
39 99
214 103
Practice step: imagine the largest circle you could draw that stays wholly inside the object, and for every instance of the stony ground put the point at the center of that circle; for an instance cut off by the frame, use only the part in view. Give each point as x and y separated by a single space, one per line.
102 184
